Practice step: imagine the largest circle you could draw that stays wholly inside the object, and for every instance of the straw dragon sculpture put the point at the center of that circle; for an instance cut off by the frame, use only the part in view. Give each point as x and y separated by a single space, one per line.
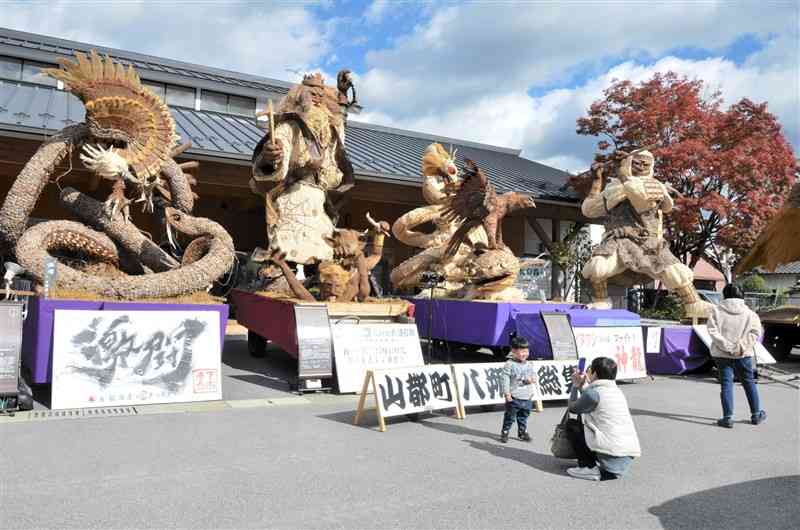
475 264
128 138
438 169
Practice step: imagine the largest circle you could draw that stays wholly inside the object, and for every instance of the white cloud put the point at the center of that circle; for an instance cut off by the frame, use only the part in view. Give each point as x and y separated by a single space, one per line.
467 71
376 11
466 50
544 126
259 39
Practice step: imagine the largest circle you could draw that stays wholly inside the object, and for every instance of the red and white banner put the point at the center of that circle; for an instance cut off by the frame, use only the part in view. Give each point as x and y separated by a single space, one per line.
623 344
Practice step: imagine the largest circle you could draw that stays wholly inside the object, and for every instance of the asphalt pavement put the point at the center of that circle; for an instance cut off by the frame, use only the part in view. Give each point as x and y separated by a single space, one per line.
298 462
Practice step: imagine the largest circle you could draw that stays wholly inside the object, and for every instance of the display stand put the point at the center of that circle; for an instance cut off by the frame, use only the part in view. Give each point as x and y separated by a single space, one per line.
302 329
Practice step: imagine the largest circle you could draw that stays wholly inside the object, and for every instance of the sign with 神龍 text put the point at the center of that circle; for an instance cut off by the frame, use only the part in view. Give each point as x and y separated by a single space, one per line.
109 358
622 344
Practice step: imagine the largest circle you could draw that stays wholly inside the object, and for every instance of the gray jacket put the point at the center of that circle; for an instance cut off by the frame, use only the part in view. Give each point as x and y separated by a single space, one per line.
734 329
515 374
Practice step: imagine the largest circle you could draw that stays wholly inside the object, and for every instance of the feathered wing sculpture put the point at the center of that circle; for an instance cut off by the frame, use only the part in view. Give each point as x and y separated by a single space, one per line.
471 203
780 242
121 110
475 202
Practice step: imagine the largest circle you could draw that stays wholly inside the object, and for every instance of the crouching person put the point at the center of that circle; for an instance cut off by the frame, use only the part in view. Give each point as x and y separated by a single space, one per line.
604 438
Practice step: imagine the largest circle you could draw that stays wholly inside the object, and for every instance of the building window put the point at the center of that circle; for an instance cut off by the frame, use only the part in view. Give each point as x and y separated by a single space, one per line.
241 105
158 88
28 71
180 96
10 68
175 95
32 73
219 102
214 101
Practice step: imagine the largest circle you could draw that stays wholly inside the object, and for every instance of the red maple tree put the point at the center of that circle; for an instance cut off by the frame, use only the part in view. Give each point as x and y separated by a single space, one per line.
733 167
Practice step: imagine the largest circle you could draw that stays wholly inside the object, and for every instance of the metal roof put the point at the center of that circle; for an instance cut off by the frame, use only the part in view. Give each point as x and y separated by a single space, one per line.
382 152
787 268
16 41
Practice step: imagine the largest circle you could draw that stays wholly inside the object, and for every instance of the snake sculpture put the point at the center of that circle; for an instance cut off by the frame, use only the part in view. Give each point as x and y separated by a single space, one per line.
129 138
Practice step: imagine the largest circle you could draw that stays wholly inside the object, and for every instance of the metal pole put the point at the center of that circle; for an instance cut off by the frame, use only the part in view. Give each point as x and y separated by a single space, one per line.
430 323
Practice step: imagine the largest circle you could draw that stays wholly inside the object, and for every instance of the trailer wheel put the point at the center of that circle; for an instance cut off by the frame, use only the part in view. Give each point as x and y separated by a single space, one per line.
779 342
256 344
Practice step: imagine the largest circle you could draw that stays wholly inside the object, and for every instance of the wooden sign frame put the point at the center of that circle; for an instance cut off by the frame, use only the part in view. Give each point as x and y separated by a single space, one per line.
369 381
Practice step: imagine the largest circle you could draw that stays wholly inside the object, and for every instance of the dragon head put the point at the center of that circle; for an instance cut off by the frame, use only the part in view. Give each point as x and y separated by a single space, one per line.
132 129
437 162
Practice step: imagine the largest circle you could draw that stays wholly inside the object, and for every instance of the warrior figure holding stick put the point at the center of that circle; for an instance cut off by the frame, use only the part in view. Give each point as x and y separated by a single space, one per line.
297 164
633 248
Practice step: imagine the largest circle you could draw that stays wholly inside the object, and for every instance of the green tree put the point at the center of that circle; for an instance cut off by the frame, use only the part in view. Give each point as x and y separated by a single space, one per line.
754 284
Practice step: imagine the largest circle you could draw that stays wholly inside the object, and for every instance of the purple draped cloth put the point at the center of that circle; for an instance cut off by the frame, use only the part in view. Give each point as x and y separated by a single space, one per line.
682 351
475 322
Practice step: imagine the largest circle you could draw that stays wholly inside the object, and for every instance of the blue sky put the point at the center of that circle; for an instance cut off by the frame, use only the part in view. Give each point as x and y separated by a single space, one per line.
515 74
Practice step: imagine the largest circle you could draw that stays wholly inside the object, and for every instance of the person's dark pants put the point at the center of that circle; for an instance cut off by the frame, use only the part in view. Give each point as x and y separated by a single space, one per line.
518 409
586 457
744 369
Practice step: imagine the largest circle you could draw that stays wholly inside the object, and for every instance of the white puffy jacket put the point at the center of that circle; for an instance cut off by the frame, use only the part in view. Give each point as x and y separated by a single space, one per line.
609 427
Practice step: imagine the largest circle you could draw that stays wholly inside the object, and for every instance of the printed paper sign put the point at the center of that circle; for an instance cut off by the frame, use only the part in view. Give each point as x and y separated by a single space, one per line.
414 389
653 340
623 344
480 383
107 358
361 347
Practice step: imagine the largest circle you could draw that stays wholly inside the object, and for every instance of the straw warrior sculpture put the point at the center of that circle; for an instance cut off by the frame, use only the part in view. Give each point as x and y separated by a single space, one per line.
129 138
633 248
304 162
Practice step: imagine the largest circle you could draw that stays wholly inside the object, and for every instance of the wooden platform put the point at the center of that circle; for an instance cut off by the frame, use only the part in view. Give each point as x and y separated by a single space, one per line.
388 308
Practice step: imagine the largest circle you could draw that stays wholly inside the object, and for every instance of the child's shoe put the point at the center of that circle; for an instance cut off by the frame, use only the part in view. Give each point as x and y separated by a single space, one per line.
504 437
524 436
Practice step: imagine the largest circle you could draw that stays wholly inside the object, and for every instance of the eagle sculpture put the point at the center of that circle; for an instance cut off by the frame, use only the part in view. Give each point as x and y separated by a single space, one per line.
473 201
778 244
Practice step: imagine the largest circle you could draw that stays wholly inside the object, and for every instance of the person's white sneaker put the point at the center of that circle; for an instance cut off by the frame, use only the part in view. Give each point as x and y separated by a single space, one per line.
586 473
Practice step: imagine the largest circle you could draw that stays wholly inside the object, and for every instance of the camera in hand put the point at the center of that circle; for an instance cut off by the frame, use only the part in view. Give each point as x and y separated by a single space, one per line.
430 278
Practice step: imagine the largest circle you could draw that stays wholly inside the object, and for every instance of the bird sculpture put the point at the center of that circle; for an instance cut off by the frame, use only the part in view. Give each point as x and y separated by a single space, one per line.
474 202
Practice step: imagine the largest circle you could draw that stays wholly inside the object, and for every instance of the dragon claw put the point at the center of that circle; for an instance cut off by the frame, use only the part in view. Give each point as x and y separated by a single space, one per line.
117 203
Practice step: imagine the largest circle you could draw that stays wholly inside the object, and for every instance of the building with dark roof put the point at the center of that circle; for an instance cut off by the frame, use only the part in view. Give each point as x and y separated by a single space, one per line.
215 109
